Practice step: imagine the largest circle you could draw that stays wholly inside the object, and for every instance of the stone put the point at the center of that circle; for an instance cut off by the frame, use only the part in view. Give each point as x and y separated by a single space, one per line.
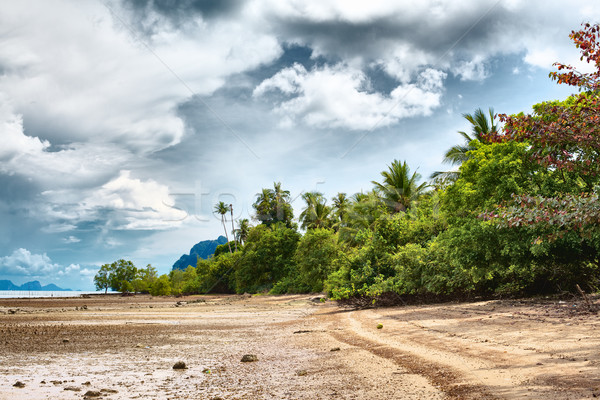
179 365
249 358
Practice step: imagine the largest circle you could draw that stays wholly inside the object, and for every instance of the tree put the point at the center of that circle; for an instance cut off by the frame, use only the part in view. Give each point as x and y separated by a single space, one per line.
161 286
481 128
315 255
267 258
563 137
144 279
241 233
122 275
221 208
341 203
399 188
316 213
233 227
102 278
273 205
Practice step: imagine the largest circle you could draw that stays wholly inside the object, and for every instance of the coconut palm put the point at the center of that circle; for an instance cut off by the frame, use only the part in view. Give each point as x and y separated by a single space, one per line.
481 127
399 188
242 231
316 214
233 227
223 209
273 205
341 203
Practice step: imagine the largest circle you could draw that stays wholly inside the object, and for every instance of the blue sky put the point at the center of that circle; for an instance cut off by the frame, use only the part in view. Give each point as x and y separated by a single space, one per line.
124 122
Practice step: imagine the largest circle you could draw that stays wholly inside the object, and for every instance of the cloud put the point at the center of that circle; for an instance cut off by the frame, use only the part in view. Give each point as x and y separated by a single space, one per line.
339 97
123 203
15 144
23 262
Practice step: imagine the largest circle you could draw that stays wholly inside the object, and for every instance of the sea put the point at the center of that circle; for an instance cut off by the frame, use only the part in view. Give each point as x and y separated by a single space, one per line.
33 294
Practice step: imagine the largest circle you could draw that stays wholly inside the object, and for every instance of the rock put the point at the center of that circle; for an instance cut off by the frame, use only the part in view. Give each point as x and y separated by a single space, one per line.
19 384
109 391
92 393
73 389
335 349
318 299
301 372
379 326
179 365
11 311
66 340
249 358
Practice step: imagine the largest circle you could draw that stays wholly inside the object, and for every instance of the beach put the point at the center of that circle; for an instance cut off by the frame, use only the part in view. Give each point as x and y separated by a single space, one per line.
296 347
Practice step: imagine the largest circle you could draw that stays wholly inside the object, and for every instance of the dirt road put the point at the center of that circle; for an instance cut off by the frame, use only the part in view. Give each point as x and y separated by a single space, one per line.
125 347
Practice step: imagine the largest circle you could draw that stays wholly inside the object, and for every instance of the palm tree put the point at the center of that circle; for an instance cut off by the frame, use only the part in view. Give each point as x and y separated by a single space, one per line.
273 205
233 227
243 229
341 203
316 213
399 189
364 209
221 208
456 155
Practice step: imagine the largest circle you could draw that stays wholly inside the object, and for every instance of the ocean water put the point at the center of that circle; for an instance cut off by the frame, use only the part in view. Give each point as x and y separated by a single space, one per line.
31 294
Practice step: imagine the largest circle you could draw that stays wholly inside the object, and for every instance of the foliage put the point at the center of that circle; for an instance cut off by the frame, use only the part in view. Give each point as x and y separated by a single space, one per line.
102 277
316 214
481 128
222 209
161 286
273 206
399 188
317 250
267 257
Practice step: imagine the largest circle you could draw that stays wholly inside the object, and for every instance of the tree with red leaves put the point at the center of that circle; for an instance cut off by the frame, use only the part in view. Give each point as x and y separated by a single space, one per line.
565 137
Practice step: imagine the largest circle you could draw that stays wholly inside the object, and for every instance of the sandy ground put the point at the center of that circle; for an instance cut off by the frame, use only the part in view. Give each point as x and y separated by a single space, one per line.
125 348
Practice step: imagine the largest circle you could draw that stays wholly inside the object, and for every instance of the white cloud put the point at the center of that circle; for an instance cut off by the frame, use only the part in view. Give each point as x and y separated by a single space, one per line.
473 70
15 144
337 97
23 262
71 239
123 203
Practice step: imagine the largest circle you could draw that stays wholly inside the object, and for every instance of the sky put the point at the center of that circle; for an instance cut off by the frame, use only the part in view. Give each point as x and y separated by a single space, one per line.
122 122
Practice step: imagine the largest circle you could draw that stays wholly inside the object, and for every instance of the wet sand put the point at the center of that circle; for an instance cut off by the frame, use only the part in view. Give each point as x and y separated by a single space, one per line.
113 347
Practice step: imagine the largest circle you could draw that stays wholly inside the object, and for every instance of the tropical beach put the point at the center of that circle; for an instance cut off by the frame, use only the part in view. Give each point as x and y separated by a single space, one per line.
296 347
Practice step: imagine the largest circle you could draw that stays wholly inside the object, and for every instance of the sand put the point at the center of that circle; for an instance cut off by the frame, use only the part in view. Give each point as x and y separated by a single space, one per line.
114 347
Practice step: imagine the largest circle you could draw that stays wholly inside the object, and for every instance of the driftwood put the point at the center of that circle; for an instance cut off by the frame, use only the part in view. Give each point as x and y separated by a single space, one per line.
591 306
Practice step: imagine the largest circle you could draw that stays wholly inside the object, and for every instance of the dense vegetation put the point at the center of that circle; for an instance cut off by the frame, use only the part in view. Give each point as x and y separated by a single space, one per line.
519 215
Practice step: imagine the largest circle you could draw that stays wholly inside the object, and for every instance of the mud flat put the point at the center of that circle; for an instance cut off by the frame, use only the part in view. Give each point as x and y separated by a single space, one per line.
113 347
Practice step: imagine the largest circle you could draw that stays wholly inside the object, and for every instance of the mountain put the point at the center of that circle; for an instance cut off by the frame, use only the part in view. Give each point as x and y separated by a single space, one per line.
8 285
33 286
204 249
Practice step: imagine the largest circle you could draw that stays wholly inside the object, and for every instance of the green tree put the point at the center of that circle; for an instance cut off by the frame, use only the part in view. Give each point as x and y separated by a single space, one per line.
273 205
267 257
481 129
341 204
122 275
102 277
176 277
317 250
316 214
222 209
161 286
399 188
241 233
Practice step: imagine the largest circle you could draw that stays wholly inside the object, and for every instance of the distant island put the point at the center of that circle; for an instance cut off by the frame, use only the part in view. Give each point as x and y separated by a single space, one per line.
34 286
204 249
